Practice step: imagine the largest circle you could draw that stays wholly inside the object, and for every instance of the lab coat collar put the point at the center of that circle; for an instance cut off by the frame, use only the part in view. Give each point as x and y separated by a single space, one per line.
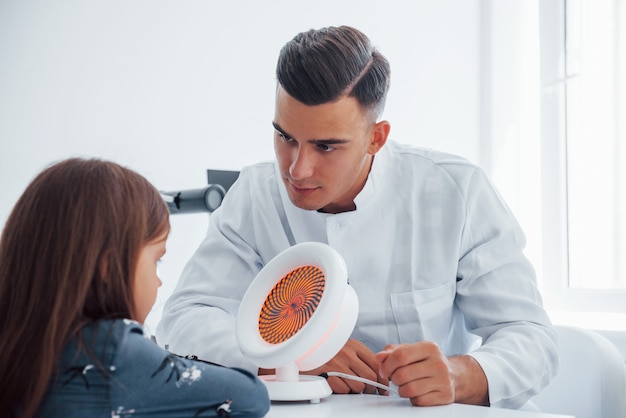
374 179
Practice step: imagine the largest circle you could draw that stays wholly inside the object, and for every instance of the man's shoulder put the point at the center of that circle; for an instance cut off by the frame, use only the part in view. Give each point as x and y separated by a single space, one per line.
428 155
261 166
259 173
256 182
438 166
419 160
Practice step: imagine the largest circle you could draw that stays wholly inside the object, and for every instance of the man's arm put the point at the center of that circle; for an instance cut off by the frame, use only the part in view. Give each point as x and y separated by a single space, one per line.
426 376
497 293
199 317
353 359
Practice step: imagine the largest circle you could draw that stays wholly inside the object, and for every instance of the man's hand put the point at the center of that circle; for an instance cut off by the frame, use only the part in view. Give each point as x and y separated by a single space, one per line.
427 377
355 359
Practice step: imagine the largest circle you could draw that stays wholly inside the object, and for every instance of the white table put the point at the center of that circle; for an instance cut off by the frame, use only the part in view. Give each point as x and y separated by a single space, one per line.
364 406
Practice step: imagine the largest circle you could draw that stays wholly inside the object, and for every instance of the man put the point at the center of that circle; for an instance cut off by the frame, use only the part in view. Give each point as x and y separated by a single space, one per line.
449 308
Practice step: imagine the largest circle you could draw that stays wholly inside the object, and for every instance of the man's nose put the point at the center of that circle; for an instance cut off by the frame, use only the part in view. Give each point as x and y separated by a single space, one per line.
303 164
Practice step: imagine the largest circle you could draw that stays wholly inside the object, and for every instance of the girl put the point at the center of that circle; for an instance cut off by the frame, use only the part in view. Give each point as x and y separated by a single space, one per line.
78 258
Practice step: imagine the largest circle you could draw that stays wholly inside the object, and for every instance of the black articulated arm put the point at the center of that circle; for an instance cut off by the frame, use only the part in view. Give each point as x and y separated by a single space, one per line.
205 199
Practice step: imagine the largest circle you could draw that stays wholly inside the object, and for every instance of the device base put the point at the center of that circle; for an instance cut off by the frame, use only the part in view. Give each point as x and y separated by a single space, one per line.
306 388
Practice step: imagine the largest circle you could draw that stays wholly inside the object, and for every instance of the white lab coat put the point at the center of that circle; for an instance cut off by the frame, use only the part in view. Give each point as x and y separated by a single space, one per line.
432 252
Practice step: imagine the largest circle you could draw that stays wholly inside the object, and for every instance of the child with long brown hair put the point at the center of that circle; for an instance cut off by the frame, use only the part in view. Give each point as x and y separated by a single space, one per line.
78 258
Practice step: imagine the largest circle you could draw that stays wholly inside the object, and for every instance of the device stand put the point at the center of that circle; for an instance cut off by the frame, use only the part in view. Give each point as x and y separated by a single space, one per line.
289 385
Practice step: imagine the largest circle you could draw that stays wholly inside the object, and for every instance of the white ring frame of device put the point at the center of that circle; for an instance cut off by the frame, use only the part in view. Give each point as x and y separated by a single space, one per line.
319 339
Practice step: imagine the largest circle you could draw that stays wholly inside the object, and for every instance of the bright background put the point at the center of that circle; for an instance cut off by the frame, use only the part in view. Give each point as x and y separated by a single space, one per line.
171 89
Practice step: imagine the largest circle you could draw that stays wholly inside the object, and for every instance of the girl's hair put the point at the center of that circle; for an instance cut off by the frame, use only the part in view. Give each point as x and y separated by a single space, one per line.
68 255
322 65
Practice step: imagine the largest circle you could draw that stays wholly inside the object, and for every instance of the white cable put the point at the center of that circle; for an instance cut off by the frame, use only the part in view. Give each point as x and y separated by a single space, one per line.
362 380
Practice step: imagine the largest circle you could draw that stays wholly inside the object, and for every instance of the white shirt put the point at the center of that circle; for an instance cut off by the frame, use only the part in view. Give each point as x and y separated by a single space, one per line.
432 252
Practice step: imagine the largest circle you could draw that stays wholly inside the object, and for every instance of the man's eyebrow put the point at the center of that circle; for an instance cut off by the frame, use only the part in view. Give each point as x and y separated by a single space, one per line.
281 130
329 141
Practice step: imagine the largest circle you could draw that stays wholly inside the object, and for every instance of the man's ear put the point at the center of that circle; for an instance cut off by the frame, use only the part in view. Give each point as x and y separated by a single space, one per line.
380 133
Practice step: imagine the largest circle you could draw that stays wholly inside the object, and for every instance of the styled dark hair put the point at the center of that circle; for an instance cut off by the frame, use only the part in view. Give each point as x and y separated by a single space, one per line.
323 65
68 255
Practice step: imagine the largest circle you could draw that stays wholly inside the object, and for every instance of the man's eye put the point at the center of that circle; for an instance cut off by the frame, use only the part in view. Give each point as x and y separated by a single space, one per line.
325 148
283 136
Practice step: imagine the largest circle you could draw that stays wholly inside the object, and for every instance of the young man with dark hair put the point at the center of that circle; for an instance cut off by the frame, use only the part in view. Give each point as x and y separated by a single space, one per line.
449 307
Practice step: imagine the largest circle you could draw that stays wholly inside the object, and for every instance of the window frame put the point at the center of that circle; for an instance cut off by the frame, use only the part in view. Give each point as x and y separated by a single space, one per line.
558 296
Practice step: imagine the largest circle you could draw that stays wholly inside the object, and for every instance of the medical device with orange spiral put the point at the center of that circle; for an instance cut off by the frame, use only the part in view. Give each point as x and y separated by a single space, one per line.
296 315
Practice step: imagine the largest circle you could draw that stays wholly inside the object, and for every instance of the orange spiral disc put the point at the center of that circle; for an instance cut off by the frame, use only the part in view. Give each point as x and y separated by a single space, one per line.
291 303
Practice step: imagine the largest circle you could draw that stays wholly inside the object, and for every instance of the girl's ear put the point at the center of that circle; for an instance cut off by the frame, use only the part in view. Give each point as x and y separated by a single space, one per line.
103 266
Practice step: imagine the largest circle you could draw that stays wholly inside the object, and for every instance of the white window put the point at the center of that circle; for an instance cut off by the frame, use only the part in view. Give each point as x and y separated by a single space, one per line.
583 136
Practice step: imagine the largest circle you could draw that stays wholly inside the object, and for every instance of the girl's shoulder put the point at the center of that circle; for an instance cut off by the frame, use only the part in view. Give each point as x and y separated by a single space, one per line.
100 340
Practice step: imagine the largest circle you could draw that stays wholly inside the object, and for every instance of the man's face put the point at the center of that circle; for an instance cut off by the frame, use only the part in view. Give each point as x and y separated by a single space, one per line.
324 151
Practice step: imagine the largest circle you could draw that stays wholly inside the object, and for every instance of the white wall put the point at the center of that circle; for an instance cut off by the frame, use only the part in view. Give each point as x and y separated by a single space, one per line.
173 88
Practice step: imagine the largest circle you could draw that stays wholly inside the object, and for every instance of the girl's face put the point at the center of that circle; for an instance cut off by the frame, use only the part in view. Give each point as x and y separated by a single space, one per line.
146 281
